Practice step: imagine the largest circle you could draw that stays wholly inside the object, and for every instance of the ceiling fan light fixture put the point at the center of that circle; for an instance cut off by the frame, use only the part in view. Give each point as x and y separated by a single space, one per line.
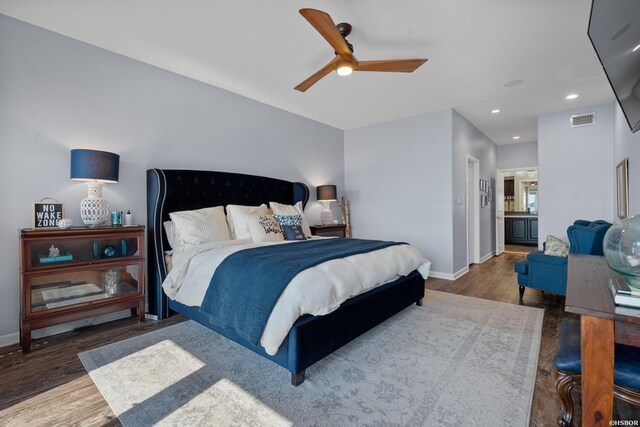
344 68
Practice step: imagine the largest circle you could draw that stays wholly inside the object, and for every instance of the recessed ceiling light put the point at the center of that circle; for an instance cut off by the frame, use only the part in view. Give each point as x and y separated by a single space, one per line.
496 111
516 137
571 96
636 48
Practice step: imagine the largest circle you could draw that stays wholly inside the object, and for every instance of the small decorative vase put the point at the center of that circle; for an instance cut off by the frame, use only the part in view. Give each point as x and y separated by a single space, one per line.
622 249
110 280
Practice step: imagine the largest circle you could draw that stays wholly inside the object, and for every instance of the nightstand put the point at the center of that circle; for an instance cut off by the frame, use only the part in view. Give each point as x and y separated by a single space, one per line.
80 272
329 230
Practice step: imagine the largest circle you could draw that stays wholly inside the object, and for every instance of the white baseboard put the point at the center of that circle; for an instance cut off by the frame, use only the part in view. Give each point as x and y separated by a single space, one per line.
9 339
487 256
449 276
14 337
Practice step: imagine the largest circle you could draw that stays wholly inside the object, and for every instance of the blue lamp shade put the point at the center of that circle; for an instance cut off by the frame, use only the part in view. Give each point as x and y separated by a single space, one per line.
326 193
94 165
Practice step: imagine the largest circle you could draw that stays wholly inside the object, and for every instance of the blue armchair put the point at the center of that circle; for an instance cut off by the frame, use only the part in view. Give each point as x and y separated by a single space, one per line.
549 273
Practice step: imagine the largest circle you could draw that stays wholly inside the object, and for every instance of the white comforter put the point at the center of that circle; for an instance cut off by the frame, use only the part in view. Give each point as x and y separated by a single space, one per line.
318 290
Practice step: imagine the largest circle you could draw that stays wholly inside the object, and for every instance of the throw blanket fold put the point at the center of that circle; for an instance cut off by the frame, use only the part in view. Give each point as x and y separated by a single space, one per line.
247 284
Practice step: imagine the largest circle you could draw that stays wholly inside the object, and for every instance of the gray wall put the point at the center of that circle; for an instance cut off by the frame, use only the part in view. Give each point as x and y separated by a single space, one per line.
57 93
398 181
575 170
521 155
469 140
627 145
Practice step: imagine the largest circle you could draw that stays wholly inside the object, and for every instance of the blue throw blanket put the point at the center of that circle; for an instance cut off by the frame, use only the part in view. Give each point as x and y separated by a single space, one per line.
247 284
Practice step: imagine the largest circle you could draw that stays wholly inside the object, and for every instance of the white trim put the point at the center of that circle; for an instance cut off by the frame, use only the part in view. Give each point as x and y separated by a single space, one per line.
9 339
524 168
499 220
487 256
14 337
475 198
449 276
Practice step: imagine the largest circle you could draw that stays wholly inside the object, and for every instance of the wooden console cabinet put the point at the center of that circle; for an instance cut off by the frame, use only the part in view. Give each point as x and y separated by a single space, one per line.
80 272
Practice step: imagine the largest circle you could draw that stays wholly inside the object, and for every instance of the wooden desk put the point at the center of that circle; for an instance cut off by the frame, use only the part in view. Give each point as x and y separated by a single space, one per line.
602 324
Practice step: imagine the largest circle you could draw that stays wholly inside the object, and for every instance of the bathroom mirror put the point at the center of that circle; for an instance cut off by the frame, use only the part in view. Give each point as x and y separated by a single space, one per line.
521 191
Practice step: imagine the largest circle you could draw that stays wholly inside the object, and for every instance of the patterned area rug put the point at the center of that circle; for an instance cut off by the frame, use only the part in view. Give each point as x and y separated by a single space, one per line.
456 361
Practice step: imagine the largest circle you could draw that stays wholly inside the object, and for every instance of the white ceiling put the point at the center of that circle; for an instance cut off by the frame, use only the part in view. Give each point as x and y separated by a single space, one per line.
262 49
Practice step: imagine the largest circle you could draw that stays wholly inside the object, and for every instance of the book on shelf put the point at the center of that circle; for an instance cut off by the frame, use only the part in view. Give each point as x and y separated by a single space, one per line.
623 294
59 258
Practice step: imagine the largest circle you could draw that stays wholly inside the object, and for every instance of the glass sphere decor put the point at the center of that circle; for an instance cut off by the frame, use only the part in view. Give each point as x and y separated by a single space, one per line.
622 249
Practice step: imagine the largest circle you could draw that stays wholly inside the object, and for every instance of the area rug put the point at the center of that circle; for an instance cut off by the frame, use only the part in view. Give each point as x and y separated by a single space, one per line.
456 361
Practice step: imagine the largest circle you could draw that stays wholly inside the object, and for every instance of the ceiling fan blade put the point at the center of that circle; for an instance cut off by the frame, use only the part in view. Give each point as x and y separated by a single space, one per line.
302 87
323 23
391 65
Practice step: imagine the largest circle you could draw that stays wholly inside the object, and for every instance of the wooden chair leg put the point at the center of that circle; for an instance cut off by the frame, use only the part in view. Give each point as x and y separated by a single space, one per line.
521 291
566 382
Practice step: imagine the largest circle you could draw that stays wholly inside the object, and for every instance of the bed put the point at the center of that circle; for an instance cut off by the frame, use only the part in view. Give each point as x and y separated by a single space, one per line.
311 338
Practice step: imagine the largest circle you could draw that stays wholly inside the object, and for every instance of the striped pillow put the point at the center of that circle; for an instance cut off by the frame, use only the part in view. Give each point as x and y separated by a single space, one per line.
201 226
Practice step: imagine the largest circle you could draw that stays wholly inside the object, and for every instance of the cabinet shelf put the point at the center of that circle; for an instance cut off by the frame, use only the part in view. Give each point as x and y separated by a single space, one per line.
38 268
100 270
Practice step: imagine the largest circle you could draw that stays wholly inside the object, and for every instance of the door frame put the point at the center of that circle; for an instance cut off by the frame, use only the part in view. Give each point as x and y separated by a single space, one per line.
475 199
500 223
500 173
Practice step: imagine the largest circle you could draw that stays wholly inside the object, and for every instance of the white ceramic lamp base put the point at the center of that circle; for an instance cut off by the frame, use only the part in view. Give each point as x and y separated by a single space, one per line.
326 216
94 210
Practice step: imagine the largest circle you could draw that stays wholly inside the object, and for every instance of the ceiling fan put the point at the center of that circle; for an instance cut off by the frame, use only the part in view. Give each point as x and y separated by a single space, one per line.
345 63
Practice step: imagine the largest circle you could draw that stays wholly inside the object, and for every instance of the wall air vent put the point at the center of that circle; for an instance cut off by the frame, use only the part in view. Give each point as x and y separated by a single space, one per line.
583 120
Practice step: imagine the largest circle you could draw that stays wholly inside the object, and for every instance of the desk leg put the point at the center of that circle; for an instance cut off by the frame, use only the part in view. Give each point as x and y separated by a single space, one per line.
597 345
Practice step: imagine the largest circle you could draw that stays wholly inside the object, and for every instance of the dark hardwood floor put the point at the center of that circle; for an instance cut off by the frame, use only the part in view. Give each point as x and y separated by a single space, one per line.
49 385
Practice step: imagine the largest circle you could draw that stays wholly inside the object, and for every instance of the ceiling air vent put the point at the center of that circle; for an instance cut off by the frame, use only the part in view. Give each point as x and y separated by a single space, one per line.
583 120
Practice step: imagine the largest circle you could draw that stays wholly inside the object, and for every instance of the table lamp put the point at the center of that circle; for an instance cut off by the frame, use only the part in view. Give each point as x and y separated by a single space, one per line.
325 195
96 168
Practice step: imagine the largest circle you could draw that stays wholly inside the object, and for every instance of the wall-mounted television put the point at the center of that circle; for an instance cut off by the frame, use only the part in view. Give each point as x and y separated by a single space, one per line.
614 31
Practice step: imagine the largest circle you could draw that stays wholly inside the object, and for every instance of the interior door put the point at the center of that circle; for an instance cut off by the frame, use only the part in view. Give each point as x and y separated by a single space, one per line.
499 213
470 214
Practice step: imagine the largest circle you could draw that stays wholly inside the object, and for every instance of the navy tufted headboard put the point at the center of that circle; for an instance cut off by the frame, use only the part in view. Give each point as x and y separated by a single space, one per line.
171 190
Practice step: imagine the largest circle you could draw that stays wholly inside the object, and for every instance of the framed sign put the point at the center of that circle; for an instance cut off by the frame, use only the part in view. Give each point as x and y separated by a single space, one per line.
47 212
622 189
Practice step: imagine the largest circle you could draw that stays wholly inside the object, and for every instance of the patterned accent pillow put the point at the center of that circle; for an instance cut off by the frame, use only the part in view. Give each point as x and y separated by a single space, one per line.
293 232
237 217
288 219
264 228
297 209
556 247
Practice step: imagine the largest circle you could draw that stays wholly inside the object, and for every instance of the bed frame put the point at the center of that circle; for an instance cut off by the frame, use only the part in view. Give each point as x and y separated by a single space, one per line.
311 338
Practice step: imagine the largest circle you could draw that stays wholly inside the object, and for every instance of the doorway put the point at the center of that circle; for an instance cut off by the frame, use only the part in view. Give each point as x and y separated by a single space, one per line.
516 209
473 210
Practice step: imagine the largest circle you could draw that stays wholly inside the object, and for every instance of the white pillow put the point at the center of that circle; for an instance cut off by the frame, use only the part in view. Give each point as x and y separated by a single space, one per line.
264 228
172 236
280 209
236 217
206 225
